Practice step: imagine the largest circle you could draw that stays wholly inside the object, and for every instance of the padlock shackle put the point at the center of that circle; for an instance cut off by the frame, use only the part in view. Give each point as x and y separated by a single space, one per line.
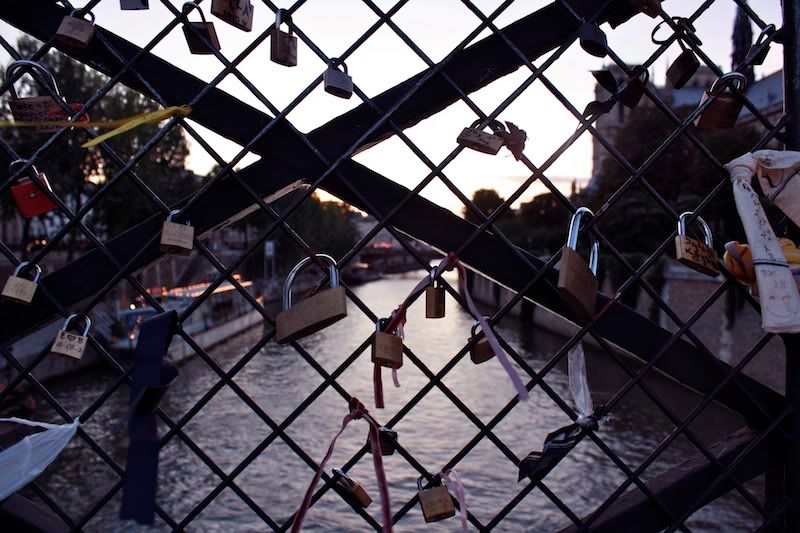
767 32
707 236
572 237
187 8
333 60
23 264
432 275
76 316
279 19
287 286
476 325
344 479
729 80
381 324
172 214
494 124
91 15
21 162
437 480
685 31
27 63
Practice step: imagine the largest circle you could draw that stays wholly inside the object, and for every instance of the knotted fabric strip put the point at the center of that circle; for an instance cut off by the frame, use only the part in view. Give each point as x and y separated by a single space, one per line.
454 480
579 385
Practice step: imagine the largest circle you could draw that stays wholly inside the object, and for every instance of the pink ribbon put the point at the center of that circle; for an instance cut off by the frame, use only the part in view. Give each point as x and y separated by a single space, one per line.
357 410
452 479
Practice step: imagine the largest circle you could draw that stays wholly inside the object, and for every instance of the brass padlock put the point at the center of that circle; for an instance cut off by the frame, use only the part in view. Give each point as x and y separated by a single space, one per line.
75 32
20 289
479 140
387 440
756 55
593 40
352 488
204 30
682 69
436 502
577 281
434 297
72 344
633 91
481 351
387 349
131 5
34 108
237 13
336 82
315 312
176 238
693 253
283 45
724 110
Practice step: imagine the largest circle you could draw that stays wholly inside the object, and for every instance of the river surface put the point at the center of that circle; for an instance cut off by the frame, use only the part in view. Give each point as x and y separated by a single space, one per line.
277 379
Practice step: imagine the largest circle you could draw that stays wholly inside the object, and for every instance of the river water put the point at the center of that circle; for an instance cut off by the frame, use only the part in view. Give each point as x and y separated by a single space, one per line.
277 379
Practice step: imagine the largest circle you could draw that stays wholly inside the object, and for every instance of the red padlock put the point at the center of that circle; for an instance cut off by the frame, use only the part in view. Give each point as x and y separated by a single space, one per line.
29 196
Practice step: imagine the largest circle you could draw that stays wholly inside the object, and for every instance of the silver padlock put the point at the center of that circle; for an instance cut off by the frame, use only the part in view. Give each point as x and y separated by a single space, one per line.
479 140
283 45
133 5
176 238
338 83
72 344
20 289
237 13
75 32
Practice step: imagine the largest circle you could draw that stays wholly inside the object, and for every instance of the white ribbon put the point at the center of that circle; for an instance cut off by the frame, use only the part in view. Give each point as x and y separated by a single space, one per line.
579 385
452 479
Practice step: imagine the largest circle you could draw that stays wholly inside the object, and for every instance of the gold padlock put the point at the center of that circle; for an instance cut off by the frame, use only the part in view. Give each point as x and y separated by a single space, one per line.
176 238
237 13
693 253
479 140
434 297
35 108
387 349
577 281
75 32
481 351
71 344
20 289
315 312
352 488
283 45
436 502
202 28
724 110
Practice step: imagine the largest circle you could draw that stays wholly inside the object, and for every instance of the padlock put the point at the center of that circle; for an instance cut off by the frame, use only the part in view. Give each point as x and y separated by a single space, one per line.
436 502
75 32
697 255
683 68
756 55
72 344
481 351
387 440
283 45
35 108
132 5
20 289
593 40
237 13
338 83
387 349
479 140
176 238
434 297
28 192
315 312
577 281
352 488
204 30
633 91
724 110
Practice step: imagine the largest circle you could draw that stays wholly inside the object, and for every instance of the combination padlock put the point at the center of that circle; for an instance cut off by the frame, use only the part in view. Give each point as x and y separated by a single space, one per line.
759 50
176 238
336 82
435 500
29 192
697 255
352 488
315 312
20 289
633 91
283 45
75 32
35 108
387 440
133 5
69 343
724 109
204 31
434 297
387 349
593 40
237 13
481 351
479 140
577 281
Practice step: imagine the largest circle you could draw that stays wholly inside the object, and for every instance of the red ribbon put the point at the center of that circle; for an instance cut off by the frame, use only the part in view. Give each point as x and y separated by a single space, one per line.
357 411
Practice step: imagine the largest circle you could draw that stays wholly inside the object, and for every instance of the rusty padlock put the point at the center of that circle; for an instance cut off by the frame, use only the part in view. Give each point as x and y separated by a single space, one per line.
35 108
336 82
28 192
577 281
479 140
72 344
593 40
387 349
237 13
697 255
315 312
759 50
387 440
724 110
74 31
481 351
352 488
131 5
176 238
435 500
20 289
283 45
434 297
204 30
633 91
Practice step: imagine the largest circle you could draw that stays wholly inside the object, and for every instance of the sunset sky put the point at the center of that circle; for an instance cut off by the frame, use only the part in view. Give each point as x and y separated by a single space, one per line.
384 60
